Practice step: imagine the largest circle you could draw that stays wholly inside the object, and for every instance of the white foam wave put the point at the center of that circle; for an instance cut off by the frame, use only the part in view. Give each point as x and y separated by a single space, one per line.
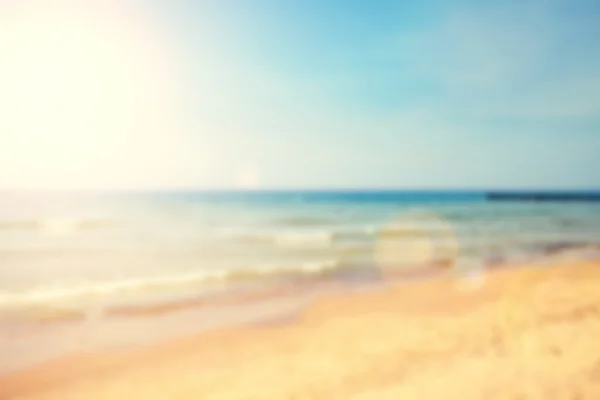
302 239
56 225
44 295
278 237
57 293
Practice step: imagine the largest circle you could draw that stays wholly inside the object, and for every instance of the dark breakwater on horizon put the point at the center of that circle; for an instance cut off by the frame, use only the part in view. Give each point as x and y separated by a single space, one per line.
547 196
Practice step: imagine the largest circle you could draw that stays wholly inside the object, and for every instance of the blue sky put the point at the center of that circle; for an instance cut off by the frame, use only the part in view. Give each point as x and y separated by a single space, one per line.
308 93
397 94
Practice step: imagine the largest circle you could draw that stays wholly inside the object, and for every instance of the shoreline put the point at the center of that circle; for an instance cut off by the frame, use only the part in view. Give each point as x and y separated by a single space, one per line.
78 308
56 335
304 324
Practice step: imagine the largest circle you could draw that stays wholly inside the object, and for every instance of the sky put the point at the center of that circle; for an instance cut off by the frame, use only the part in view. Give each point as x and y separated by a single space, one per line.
300 94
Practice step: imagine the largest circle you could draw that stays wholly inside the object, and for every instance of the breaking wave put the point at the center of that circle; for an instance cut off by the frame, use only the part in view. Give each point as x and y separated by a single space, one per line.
298 238
57 224
43 295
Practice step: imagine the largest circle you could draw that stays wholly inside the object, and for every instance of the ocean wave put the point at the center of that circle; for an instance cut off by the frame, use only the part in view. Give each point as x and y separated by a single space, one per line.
278 237
298 238
43 295
344 259
51 225
306 221
293 239
325 238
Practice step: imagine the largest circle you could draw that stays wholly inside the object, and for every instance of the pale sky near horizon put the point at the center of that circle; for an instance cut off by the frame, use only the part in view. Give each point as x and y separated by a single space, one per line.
300 93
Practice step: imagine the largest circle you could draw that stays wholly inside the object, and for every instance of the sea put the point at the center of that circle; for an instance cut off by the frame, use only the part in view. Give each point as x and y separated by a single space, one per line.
102 249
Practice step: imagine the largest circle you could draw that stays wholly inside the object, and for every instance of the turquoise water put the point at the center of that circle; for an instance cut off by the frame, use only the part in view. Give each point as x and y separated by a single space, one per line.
57 246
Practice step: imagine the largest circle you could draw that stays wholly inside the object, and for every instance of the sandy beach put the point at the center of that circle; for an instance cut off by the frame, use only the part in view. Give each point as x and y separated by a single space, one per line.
524 333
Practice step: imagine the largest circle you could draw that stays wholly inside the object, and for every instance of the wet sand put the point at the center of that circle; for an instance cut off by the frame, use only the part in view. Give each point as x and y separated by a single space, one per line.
522 333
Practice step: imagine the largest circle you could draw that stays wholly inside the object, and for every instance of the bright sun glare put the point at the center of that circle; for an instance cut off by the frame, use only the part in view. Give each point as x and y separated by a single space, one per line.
84 95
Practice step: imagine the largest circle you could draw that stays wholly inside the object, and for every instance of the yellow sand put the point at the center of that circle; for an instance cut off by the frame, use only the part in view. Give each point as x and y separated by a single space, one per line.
526 334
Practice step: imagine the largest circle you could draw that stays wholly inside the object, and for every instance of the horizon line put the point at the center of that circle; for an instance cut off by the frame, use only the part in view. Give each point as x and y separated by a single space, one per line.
302 189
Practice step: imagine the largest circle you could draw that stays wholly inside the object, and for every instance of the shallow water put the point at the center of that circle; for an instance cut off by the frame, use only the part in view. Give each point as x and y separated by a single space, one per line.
76 247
